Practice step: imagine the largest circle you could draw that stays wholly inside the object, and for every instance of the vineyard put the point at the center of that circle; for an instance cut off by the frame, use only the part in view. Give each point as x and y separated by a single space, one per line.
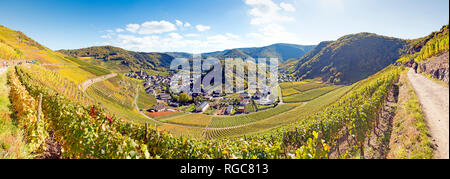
9 53
223 122
61 84
437 44
87 131
309 94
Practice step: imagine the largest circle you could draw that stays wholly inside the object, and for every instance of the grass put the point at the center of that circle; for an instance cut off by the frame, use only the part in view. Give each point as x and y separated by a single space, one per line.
409 138
309 95
11 141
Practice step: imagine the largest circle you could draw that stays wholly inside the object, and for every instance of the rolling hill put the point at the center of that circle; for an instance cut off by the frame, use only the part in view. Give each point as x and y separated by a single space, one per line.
130 59
349 59
281 51
116 57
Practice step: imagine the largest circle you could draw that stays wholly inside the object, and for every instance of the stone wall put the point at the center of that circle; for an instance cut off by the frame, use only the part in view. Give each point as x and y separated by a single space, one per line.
437 67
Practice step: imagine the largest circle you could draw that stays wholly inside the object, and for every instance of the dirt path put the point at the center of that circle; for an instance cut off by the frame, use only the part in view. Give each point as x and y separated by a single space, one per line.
3 70
89 82
434 100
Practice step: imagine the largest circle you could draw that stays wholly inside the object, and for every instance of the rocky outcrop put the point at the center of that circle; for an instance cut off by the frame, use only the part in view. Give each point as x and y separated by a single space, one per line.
437 67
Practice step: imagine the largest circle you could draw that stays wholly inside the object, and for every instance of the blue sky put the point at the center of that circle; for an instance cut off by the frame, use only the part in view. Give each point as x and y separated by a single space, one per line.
209 25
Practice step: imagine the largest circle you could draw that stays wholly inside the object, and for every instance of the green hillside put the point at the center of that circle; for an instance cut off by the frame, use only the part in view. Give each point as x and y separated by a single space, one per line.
422 48
128 59
350 58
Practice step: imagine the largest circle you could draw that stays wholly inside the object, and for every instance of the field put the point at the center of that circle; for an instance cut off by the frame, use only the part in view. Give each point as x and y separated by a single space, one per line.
309 95
194 119
224 122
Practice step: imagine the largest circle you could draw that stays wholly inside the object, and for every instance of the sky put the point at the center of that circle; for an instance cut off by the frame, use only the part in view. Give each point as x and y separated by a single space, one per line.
197 26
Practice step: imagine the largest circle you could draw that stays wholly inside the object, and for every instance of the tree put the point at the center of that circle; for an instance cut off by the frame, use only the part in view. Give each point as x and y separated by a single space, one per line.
184 98
198 100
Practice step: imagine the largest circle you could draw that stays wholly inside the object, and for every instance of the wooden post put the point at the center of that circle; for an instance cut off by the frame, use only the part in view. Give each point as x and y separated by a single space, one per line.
39 108
145 133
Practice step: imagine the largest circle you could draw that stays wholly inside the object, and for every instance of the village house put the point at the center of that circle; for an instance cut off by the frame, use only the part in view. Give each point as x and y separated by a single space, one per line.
164 97
241 109
244 102
160 107
245 95
202 107
229 110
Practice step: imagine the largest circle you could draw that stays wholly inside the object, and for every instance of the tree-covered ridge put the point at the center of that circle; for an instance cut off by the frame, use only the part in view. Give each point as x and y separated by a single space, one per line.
423 48
350 58
281 51
134 60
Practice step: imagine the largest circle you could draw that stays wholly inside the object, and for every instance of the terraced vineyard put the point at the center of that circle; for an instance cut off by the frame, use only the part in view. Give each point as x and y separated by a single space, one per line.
117 95
233 121
194 119
61 84
117 89
145 101
309 94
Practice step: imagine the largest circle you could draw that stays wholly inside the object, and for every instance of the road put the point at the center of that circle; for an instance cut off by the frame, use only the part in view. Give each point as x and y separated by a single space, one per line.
89 82
434 100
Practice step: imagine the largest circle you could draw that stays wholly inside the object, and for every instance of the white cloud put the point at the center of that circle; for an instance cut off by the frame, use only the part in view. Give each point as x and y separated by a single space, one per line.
107 36
192 35
266 12
132 27
175 36
202 28
273 33
155 27
179 23
176 42
187 24
119 30
287 7
232 36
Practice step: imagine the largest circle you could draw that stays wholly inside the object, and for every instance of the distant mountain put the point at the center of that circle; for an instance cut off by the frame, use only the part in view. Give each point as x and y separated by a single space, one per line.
281 51
179 54
133 60
350 58
161 61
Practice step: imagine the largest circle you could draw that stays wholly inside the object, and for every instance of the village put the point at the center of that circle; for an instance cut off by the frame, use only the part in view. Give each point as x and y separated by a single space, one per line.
217 104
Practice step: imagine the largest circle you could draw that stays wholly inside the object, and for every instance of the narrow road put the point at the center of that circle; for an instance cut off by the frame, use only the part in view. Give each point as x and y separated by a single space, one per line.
89 82
434 100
